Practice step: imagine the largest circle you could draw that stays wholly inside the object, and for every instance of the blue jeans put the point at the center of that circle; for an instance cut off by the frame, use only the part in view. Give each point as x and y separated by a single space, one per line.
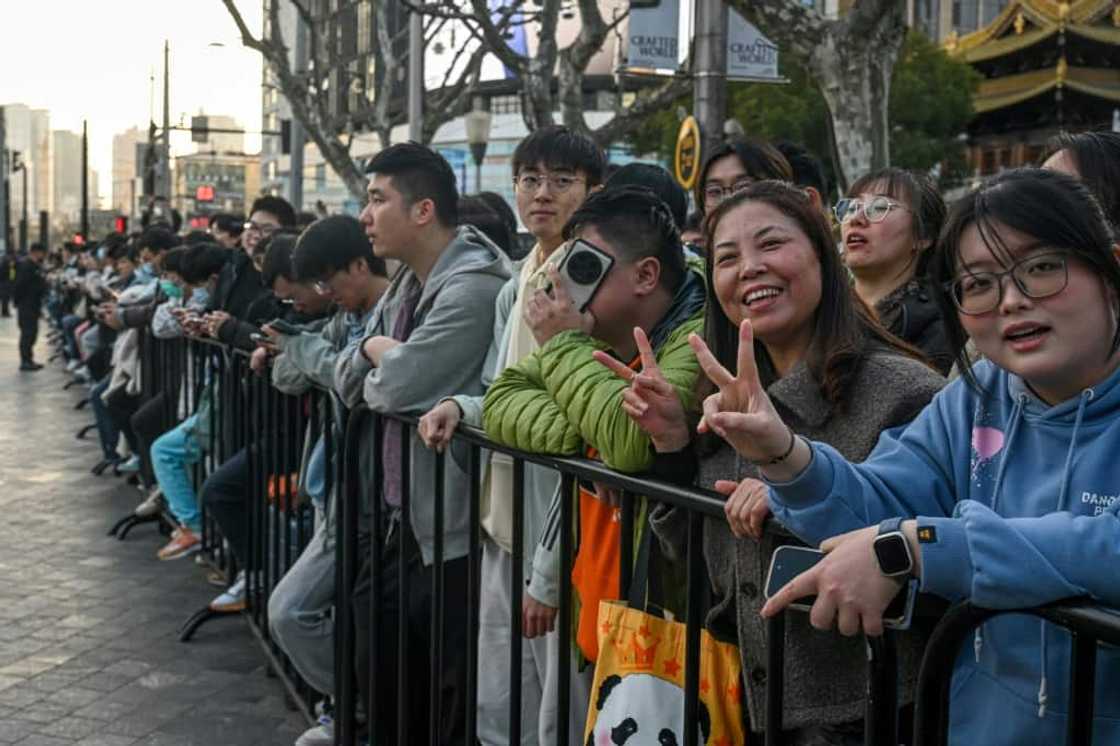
173 454
106 429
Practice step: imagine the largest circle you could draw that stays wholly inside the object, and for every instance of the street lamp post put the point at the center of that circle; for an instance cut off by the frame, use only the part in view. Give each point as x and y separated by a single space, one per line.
478 122
19 164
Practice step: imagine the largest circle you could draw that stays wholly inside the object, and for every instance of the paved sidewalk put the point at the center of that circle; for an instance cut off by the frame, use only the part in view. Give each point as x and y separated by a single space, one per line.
88 647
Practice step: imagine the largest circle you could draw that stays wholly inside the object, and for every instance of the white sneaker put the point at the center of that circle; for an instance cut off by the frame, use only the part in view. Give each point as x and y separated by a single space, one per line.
321 735
152 505
233 599
73 365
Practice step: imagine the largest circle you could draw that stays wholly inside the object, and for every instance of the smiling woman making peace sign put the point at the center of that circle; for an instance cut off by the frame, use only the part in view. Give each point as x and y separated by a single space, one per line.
826 368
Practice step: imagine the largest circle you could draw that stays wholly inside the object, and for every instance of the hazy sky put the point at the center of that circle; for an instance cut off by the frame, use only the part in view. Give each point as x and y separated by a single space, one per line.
93 60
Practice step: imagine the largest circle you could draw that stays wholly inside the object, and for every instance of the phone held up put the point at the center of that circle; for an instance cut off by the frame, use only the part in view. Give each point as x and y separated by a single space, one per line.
789 561
582 267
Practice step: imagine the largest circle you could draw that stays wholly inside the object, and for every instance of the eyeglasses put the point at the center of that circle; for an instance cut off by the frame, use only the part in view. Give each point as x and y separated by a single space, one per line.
322 287
716 193
875 210
265 229
1038 276
557 183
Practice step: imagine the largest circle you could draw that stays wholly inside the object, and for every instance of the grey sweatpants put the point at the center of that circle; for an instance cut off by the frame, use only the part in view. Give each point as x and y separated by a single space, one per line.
299 613
539 667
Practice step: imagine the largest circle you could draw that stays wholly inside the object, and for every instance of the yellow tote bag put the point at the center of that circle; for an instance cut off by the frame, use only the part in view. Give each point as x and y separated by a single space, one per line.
639 683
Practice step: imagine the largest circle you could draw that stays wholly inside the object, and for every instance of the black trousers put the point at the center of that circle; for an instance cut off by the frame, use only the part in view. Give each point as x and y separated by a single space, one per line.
28 332
400 546
149 422
5 299
225 493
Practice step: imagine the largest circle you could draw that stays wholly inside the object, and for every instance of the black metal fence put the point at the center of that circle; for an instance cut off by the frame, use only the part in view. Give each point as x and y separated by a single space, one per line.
274 429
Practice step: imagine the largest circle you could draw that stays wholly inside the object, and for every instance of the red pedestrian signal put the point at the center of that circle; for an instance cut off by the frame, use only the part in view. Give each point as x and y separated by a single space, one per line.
79 239
120 224
204 193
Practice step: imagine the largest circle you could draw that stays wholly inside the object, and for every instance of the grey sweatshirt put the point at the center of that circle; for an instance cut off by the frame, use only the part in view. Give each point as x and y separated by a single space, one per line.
445 355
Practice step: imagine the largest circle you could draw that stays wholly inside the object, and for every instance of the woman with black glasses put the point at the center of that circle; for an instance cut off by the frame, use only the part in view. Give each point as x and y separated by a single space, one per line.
889 223
1003 490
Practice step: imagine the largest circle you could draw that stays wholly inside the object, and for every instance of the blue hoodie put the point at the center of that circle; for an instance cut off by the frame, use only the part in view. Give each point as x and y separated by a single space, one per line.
1022 499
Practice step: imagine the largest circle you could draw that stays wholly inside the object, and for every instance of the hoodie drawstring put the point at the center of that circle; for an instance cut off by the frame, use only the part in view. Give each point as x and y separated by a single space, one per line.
1012 431
1086 397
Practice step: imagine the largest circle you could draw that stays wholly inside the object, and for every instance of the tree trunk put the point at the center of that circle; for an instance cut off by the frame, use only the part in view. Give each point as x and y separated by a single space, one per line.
855 81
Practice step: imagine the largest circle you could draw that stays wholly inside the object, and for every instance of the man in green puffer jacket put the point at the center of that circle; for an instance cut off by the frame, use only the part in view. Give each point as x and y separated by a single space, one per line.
562 401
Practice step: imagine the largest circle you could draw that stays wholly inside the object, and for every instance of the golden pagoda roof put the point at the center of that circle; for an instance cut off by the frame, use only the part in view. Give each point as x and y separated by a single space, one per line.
1024 23
998 93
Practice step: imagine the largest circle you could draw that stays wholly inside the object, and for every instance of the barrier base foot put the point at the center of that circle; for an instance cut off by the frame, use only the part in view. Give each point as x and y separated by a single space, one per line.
81 434
71 383
121 528
200 617
81 404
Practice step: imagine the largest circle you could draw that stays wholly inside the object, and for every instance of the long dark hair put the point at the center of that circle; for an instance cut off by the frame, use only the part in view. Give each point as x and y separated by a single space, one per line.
845 330
1055 208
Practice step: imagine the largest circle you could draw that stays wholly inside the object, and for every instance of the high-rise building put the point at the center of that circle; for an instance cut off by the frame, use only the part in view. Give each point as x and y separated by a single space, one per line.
126 184
67 175
28 132
228 143
275 109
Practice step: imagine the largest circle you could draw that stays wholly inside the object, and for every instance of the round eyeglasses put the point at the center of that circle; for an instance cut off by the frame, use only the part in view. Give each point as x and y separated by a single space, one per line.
1036 277
874 210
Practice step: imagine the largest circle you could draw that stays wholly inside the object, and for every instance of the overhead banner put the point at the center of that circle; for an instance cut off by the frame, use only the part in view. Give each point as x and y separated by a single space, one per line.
652 42
750 55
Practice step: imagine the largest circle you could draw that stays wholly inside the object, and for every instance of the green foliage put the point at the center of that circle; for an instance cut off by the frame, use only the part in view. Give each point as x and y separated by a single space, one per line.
930 106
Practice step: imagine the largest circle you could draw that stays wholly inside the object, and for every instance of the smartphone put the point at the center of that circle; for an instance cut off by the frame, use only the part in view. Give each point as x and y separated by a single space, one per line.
582 268
283 327
787 563
261 339
790 561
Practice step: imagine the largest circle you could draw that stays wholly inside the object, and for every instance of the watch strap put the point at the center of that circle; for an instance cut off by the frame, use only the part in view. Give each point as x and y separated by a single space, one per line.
890 525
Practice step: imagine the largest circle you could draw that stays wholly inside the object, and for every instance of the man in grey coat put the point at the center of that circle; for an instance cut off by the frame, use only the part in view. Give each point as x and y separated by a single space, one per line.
427 339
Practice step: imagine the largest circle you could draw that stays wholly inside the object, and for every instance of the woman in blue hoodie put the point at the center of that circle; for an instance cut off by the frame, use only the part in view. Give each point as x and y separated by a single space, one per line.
1005 486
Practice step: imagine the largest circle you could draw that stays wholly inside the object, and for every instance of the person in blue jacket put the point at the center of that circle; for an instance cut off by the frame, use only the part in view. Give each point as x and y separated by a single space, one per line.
1004 487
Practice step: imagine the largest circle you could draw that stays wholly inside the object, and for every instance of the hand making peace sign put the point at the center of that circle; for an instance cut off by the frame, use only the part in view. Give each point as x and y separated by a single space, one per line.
651 401
741 412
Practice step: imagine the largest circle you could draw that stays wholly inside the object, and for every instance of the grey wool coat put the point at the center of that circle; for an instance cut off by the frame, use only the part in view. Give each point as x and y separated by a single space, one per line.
825 674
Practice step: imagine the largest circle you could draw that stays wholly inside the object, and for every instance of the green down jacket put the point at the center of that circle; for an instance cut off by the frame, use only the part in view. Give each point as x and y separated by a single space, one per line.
560 398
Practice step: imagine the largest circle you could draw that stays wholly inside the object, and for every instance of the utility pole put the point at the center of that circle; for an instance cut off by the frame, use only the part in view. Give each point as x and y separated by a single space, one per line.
165 156
5 220
299 136
85 180
416 76
24 226
710 89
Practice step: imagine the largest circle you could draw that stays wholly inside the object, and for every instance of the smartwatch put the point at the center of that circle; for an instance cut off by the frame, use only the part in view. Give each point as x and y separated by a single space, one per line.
892 550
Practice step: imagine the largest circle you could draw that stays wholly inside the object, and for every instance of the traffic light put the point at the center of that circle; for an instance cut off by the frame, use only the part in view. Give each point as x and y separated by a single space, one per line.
120 224
204 193
79 240
286 136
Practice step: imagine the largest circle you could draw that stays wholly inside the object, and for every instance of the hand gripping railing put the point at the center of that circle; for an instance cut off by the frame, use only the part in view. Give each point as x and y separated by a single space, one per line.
365 434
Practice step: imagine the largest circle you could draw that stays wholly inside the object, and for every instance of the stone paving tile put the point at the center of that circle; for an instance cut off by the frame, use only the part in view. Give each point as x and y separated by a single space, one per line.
89 654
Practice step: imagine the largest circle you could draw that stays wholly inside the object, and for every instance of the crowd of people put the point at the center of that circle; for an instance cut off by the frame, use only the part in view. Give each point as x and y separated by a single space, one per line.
923 391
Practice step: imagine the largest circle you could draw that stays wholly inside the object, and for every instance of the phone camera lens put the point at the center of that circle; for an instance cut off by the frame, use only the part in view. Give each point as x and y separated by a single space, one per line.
584 268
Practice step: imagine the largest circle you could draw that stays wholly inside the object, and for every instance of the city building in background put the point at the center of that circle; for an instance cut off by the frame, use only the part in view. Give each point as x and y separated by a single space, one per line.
67 176
206 183
128 155
29 134
1046 67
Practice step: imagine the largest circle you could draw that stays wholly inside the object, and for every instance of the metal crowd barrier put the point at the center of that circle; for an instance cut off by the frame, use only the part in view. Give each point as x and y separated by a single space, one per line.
273 428
1089 624
881 715
247 414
